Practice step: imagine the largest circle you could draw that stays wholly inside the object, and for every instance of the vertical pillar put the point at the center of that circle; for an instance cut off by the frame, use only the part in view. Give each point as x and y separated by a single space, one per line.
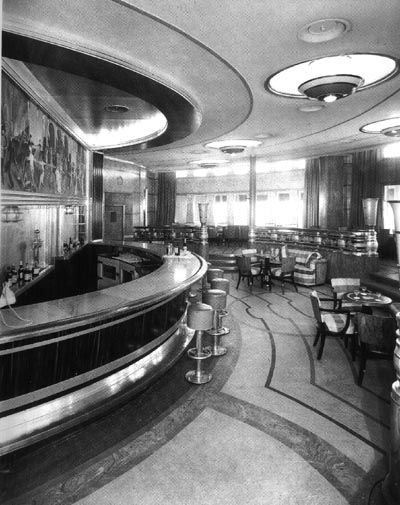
189 209
97 207
253 193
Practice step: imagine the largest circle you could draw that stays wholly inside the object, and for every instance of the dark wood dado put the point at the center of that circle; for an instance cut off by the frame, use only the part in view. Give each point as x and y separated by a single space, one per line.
83 354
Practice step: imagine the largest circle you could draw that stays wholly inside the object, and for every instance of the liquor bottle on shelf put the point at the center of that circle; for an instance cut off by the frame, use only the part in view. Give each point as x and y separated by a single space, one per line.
184 248
21 273
70 244
65 249
36 270
14 275
177 251
27 273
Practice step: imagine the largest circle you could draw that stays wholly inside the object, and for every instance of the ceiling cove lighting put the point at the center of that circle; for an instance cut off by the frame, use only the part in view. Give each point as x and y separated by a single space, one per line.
331 78
233 146
389 127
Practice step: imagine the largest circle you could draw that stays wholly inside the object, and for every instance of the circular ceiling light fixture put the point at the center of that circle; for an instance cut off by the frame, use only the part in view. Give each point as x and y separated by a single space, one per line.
208 163
369 69
323 30
233 146
388 127
330 88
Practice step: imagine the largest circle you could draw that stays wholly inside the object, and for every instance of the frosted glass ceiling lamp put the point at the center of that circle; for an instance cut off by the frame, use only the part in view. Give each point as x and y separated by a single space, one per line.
342 75
233 146
330 87
209 163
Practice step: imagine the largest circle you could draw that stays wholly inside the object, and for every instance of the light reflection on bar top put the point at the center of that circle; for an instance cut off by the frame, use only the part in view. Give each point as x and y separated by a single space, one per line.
163 282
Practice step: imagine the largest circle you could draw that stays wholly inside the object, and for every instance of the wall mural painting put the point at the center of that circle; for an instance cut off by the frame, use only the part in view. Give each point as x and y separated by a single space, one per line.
36 154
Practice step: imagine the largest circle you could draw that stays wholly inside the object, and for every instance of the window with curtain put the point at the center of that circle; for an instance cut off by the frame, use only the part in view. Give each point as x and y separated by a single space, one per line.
263 213
390 193
220 214
241 210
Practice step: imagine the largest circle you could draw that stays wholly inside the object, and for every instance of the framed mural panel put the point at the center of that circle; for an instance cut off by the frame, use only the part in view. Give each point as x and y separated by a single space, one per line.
37 155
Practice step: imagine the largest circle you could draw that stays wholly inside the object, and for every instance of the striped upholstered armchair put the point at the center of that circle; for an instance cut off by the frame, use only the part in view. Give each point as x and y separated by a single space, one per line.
310 268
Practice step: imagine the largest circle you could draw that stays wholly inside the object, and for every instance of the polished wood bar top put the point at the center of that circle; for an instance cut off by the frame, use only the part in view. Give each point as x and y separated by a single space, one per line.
173 276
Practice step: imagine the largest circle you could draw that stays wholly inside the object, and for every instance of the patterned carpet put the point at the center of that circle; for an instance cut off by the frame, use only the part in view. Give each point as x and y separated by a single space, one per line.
274 425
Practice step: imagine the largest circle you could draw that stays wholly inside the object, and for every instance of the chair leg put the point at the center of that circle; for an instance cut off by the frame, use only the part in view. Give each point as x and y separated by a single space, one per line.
321 347
240 278
353 346
363 363
294 284
317 337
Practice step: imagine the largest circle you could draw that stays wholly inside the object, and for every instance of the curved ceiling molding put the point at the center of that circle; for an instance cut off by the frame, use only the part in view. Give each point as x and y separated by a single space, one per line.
62 70
143 44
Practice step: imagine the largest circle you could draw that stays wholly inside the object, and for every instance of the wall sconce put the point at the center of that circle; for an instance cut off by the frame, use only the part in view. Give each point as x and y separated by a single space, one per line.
69 209
11 214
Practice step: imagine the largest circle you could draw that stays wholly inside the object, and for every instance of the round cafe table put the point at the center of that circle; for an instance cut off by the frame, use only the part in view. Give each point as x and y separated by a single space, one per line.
369 299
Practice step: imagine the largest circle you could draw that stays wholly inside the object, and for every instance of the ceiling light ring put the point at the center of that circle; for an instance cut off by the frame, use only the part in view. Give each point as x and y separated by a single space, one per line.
383 126
390 75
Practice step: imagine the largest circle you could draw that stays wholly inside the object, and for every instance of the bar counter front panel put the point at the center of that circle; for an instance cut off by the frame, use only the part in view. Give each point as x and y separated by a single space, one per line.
81 355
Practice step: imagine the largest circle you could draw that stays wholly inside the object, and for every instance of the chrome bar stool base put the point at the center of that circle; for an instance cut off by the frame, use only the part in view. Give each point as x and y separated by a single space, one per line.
216 350
200 317
196 377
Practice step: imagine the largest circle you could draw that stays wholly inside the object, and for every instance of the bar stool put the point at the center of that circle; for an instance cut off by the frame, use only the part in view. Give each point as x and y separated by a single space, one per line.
223 284
213 273
216 298
200 317
220 283
195 292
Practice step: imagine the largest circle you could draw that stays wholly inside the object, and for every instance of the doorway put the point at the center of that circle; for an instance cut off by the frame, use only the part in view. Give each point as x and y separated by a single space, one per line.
114 222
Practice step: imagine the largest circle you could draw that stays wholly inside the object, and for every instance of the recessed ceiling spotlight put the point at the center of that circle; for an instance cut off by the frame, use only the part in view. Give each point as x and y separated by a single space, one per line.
389 127
121 109
312 107
323 30
343 75
233 146
263 135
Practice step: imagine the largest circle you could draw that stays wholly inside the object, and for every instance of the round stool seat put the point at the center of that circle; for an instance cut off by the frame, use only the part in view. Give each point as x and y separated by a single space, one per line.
212 273
216 298
200 316
219 283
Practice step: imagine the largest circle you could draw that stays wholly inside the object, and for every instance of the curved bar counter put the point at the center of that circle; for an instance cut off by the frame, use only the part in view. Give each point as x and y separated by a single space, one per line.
81 355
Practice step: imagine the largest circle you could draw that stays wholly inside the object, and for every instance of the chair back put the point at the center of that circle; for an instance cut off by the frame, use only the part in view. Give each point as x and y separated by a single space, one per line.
244 264
249 252
288 265
252 253
377 331
345 284
315 306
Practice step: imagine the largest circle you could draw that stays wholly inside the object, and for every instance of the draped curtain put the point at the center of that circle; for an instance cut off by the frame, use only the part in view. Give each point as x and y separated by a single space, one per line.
366 183
311 193
166 195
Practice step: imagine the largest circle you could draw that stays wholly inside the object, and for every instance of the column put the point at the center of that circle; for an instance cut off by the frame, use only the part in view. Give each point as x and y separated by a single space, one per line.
253 194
